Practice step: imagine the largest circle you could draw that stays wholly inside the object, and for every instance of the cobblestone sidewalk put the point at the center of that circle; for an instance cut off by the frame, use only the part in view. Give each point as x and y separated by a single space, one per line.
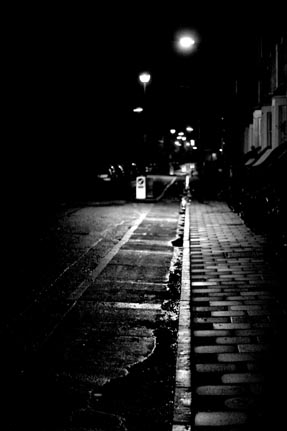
231 366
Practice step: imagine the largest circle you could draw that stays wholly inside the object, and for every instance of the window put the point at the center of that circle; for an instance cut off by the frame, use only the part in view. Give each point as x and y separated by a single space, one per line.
269 129
282 124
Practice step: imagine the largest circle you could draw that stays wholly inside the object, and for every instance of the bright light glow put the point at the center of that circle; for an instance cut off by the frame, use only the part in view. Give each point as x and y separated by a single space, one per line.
195 148
189 129
181 133
183 138
144 77
172 131
139 109
192 142
177 143
185 41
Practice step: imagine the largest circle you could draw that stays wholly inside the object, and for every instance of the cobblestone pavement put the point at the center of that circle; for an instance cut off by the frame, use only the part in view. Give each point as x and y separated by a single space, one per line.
231 361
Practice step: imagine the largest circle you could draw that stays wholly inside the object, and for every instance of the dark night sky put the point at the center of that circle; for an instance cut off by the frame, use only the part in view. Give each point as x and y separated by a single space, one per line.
74 76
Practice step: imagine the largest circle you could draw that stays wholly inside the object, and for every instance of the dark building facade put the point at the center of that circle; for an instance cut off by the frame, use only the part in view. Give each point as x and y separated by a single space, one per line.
267 126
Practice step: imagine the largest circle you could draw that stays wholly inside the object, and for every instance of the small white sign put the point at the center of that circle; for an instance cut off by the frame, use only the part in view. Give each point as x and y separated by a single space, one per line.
141 187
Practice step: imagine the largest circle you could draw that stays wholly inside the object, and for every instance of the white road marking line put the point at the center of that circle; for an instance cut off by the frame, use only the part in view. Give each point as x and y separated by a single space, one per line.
105 260
76 295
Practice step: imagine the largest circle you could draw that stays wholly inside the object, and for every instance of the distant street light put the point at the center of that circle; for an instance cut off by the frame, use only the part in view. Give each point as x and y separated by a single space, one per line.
144 79
189 129
139 109
185 41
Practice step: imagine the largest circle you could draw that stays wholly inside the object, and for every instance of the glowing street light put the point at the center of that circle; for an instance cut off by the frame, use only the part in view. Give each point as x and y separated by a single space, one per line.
185 41
189 129
139 109
144 79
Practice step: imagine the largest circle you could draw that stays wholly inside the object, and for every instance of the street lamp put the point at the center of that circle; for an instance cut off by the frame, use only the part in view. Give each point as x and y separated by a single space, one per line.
144 79
139 109
185 41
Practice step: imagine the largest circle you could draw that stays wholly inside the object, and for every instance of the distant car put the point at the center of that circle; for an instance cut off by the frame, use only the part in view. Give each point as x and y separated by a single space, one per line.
119 172
105 173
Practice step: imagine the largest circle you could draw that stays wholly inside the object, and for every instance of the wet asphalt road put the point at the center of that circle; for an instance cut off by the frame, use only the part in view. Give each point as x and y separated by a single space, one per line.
89 331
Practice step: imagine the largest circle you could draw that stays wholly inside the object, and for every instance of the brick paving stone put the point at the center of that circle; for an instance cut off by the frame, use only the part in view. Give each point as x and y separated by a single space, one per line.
201 309
208 290
226 313
215 368
220 390
227 303
210 333
235 322
261 312
220 418
247 348
241 378
231 326
181 428
210 320
233 340
249 332
245 307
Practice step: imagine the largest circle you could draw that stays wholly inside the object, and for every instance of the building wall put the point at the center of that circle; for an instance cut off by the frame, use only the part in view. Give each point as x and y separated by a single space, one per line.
266 126
256 139
269 126
279 124
246 140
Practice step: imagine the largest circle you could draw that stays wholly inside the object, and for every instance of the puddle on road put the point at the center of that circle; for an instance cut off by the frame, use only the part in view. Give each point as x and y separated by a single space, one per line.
143 399
138 395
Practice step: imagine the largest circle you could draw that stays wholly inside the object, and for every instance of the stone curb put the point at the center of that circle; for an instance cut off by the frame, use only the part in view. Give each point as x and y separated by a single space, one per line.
182 395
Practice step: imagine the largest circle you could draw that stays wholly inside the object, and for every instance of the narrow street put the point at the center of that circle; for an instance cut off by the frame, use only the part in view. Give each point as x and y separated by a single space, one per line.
95 345
127 332
144 239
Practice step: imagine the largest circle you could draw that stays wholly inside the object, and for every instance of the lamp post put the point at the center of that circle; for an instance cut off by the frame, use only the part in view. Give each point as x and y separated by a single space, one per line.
144 79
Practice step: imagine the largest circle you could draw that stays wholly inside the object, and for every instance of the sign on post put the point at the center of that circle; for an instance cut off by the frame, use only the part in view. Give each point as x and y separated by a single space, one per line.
141 187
